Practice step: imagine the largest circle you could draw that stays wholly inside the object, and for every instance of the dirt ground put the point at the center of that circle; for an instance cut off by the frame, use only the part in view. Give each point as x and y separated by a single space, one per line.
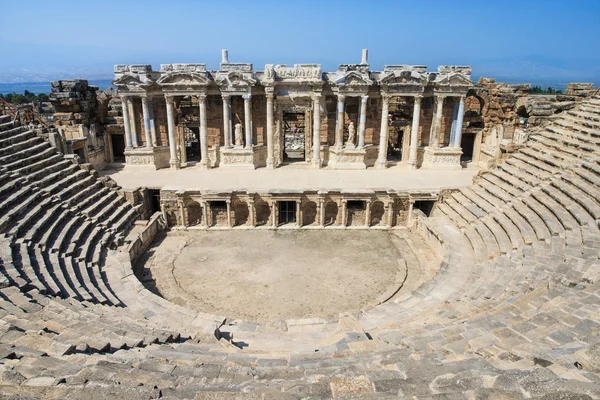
268 275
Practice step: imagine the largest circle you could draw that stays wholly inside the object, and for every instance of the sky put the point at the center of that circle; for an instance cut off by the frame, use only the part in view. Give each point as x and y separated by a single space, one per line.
515 41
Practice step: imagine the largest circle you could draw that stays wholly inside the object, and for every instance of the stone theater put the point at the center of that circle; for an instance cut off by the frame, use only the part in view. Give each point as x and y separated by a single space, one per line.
292 233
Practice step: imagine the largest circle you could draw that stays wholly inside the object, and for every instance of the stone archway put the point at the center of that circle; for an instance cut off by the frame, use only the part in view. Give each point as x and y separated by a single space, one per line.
331 213
309 213
377 214
194 212
241 213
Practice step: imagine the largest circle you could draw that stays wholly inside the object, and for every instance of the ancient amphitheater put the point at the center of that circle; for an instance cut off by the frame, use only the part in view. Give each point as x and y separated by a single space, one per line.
492 293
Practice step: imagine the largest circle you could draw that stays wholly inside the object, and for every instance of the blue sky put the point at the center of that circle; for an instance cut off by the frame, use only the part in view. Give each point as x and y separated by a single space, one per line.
512 40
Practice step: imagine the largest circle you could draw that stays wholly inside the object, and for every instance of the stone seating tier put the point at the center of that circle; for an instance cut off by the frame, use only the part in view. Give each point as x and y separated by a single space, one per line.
511 313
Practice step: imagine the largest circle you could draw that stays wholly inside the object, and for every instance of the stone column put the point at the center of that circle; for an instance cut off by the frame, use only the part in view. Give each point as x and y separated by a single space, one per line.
322 213
381 162
270 139
368 213
205 212
146 114
414 133
274 213
251 213
228 213
173 161
126 122
152 124
298 214
204 162
248 119
344 212
459 122
437 122
132 127
411 204
363 121
226 120
390 212
316 160
339 133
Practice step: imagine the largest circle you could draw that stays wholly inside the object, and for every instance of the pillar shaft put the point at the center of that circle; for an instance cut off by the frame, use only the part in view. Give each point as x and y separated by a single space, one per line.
171 128
226 120
368 213
382 156
205 214
459 122
252 213
229 213
363 121
411 204
248 119
344 212
298 215
203 132
126 123
274 212
146 114
316 161
322 213
152 124
437 123
414 133
132 126
270 139
390 212
339 134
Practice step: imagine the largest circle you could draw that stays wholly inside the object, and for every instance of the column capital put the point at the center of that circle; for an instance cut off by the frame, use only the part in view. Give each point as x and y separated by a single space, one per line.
247 97
462 98
341 97
418 97
144 98
202 98
125 97
386 97
169 97
226 97
441 96
270 97
364 98
316 96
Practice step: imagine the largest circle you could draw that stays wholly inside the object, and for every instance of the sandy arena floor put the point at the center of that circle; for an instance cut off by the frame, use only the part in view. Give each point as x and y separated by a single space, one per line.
265 276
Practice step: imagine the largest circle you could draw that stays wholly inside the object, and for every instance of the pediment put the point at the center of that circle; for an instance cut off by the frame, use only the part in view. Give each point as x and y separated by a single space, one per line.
404 77
183 78
454 80
236 80
353 78
127 80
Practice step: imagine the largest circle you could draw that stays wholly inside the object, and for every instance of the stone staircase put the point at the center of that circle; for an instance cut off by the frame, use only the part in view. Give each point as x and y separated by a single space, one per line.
513 311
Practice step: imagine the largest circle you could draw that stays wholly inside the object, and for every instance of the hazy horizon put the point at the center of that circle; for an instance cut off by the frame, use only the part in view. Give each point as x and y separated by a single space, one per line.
549 43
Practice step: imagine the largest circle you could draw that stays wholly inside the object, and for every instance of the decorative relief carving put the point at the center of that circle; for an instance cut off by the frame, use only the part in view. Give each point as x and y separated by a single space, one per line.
183 68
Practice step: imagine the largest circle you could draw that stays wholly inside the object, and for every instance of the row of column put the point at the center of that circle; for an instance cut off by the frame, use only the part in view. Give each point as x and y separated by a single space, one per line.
150 129
275 208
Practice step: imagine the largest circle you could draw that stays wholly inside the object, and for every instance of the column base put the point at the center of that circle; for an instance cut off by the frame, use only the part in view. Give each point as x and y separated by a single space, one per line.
412 164
174 164
270 163
381 164
155 157
203 164
345 158
441 158
316 163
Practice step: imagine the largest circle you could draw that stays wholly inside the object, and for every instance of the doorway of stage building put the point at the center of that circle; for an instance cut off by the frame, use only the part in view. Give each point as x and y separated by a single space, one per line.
294 139
192 144
154 200
467 143
118 147
287 212
395 140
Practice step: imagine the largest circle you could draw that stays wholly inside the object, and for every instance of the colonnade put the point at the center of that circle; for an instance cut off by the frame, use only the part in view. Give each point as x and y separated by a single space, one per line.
381 163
